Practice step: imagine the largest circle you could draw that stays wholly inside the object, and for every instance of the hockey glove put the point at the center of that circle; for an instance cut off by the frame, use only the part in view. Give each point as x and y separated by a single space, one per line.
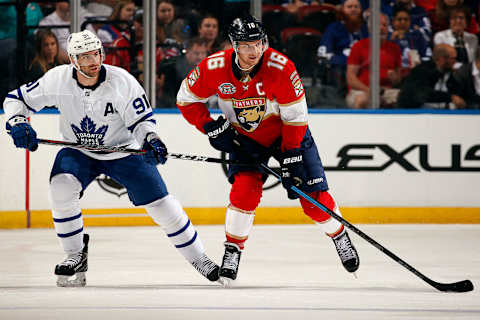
221 134
293 171
22 133
156 149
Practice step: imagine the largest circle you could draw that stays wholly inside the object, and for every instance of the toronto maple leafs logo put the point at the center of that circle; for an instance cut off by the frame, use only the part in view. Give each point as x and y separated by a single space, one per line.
88 133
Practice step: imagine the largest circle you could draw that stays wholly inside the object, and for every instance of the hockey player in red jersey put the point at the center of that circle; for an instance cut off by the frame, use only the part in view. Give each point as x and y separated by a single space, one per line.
263 100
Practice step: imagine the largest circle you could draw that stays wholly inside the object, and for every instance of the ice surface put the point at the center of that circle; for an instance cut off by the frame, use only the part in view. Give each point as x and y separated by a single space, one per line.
286 272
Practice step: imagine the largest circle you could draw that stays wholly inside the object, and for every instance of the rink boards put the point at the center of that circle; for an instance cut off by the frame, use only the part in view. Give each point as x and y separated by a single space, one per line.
382 167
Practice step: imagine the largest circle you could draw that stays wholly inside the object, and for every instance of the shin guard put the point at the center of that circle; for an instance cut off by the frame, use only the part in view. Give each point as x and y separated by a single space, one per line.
169 214
244 198
329 225
66 212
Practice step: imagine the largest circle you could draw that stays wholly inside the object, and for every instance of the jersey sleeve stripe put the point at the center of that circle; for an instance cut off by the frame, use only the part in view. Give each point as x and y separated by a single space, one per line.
295 112
20 97
186 96
293 102
12 96
145 117
299 124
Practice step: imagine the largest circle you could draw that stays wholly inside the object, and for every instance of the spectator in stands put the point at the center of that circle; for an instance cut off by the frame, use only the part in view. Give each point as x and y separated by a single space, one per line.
8 19
123 11
208 31
431 84
169 28
225 45
358 69
46 55
338 40
292 6
440 17
101 8
427 5
464 42
418 17
468 79
413 45
61 16
171 72
119 52
8 42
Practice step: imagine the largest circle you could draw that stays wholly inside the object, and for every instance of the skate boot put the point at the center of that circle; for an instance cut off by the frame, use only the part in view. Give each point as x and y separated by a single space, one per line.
206 267
75 264
231 260
346 251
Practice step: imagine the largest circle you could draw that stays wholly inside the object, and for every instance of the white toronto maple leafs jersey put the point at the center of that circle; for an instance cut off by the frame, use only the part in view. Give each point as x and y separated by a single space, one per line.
114 112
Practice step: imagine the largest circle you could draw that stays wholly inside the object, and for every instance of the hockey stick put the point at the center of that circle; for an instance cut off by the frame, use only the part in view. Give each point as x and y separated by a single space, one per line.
90 147
460 286
179 156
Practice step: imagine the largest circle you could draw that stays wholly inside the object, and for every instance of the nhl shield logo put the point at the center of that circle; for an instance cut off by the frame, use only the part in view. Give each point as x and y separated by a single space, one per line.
249 112
111 186
227 88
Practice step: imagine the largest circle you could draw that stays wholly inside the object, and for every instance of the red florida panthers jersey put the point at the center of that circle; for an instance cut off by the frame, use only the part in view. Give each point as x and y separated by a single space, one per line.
271 104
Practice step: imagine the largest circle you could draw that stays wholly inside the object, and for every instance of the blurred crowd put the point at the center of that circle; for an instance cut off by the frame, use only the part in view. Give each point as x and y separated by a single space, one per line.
428 50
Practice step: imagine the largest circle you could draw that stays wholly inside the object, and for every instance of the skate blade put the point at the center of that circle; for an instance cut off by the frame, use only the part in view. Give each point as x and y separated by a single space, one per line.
225 282
79 281
354 275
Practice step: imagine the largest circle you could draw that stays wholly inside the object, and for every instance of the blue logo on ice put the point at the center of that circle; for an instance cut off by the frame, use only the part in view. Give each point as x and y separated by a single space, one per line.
88 132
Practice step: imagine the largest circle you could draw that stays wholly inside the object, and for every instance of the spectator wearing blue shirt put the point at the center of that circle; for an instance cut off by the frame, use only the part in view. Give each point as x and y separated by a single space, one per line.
418 17
413 45
339 38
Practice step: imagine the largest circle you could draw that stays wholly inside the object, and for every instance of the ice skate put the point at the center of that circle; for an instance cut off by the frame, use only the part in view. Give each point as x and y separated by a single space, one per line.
231 260
346 251
207 268
75 264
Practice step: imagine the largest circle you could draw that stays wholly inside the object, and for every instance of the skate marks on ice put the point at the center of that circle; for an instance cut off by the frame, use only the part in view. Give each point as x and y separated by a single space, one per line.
287 272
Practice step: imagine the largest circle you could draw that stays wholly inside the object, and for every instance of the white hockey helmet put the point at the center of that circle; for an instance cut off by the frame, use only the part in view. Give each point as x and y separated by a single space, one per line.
81 42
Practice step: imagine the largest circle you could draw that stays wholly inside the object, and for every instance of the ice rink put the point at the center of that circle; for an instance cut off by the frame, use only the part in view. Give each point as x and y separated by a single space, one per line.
286 272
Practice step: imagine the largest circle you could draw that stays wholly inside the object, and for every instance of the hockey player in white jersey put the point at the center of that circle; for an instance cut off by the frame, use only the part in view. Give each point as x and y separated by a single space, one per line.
100 105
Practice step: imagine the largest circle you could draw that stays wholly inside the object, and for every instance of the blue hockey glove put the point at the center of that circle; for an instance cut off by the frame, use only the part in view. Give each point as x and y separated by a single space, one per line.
293 171
221 134
22 133
156 149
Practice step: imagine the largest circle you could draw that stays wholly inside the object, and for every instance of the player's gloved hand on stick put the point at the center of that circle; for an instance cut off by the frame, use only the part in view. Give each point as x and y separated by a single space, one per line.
293 171
22 133
221 134
156 149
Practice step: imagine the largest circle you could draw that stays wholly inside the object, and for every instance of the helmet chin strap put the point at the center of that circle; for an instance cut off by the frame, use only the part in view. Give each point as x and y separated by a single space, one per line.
82 73
77 67
238 64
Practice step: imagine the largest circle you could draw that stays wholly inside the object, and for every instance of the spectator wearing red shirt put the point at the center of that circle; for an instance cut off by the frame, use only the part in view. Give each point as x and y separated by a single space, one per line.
358 67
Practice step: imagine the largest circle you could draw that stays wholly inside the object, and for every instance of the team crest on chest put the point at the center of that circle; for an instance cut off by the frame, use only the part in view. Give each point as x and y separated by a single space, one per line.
249 112
88 133
227 88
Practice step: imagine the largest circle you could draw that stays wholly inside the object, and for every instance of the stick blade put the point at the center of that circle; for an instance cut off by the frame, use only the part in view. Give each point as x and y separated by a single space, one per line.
461 286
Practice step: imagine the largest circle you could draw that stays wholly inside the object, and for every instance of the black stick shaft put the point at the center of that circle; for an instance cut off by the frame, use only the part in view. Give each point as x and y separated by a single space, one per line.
91 148
179 156
461 286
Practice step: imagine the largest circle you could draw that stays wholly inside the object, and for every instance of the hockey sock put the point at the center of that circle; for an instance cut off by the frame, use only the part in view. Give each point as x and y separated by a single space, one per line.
329 225
238 224
169 214
67 216
244 198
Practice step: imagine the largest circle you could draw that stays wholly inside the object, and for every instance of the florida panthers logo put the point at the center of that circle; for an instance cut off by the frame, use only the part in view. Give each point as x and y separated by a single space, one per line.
88 133
249 112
